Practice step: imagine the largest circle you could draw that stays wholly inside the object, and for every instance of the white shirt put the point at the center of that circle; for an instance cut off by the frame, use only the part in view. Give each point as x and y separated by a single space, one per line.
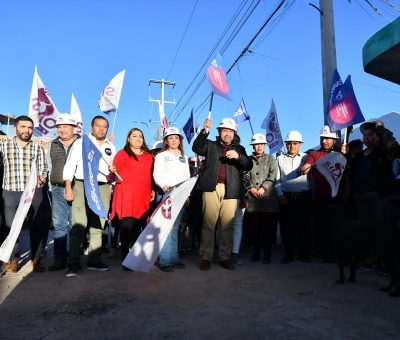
170 169
74 164
287 177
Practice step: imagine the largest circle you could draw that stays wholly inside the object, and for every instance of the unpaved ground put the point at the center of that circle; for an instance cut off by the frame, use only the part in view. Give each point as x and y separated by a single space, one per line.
256 301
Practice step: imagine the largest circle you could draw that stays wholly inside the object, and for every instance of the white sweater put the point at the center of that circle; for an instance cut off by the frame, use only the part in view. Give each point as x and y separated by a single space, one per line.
170 170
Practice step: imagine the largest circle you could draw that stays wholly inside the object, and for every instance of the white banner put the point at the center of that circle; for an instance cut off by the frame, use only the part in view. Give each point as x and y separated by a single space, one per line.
109 98
332 167
76 113
23 207
273 132
42 109
146 249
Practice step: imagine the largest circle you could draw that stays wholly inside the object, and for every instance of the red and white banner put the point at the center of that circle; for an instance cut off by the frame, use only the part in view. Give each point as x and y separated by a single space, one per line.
23 208
109 98
76 113
42 109
146 249
332 167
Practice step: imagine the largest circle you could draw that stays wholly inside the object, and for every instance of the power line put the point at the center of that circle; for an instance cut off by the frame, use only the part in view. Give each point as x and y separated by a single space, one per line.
183 37
236 30
243 53
212 52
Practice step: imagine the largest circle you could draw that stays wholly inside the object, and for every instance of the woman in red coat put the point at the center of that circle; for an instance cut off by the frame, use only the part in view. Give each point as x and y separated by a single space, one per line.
132 195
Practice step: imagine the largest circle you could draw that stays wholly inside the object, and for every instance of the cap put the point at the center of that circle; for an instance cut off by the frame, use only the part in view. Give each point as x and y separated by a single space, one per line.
228 123
172 131
294 136
326 132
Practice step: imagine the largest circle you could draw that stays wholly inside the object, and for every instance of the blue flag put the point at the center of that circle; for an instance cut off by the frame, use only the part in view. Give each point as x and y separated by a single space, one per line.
241 114
188 129
343 106
91 157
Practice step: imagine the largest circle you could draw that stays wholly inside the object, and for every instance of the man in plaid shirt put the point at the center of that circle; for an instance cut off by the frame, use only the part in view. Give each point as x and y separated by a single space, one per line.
18 155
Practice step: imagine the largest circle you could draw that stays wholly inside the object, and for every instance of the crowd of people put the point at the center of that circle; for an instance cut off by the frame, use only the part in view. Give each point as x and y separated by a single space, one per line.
236 194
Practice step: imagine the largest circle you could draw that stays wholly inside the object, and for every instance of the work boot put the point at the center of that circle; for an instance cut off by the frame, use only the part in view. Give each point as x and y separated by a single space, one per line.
12 266
37 266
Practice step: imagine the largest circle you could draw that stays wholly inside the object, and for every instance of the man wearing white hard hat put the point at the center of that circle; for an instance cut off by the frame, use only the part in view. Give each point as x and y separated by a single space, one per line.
61 211
222 188
262 204
294 198
321 195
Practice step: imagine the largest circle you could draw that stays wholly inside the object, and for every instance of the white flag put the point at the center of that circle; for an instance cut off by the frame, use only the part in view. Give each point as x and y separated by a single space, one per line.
163 119
42 109
146 249
332 167
76 113
23 208
109 98
273 132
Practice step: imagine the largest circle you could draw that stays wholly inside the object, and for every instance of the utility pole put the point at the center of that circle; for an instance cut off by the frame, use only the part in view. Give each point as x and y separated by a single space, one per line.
328 50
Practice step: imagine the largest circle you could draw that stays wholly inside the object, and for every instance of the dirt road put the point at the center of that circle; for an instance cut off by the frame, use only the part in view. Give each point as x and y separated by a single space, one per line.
256 301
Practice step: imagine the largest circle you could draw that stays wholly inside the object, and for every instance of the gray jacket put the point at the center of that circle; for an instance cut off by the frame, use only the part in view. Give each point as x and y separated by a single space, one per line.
263 174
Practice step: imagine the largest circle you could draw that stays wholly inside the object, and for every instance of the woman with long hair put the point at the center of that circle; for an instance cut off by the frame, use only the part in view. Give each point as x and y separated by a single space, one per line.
132 194
171 167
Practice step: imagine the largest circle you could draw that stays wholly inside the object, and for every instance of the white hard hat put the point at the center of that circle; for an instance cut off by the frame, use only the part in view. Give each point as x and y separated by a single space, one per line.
65 119
172 131
326 132
294 136
228 123
258 138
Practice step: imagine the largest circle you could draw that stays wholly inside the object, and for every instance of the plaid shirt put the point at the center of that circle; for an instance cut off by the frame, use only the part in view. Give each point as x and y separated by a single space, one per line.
17 163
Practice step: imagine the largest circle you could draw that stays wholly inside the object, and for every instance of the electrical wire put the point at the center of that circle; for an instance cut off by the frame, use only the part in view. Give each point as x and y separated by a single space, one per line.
183 37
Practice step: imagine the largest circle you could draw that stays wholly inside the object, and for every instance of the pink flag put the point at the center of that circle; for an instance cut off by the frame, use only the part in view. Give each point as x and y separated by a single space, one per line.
217 77
42 109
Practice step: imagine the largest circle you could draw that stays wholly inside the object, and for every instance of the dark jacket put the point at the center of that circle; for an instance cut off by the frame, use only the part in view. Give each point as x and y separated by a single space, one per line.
212 150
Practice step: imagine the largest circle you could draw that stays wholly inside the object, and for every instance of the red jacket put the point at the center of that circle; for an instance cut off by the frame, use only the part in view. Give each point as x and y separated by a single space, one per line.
132 195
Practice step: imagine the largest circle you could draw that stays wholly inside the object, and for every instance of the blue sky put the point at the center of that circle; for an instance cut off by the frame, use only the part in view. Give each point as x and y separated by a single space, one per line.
79 46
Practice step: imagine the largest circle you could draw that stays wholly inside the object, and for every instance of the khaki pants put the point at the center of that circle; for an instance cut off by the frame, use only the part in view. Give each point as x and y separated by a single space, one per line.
214 207
83 217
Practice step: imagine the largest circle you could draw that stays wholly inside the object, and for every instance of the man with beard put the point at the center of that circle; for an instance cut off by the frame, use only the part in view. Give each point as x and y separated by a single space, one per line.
221 184
19 155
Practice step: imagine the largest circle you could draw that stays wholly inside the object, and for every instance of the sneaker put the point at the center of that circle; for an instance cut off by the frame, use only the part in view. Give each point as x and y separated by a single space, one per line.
178 265
98 266
236 259
72 271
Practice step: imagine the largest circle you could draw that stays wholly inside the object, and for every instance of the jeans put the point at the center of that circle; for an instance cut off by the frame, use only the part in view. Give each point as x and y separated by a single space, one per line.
169 253
61 217
237 229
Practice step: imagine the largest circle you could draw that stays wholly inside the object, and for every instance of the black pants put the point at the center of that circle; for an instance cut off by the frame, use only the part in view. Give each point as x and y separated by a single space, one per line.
35 219
294 221
129 231
263 225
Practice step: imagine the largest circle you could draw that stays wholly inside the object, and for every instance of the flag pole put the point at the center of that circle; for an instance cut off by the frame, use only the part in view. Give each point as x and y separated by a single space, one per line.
211 103
115 118
251 126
